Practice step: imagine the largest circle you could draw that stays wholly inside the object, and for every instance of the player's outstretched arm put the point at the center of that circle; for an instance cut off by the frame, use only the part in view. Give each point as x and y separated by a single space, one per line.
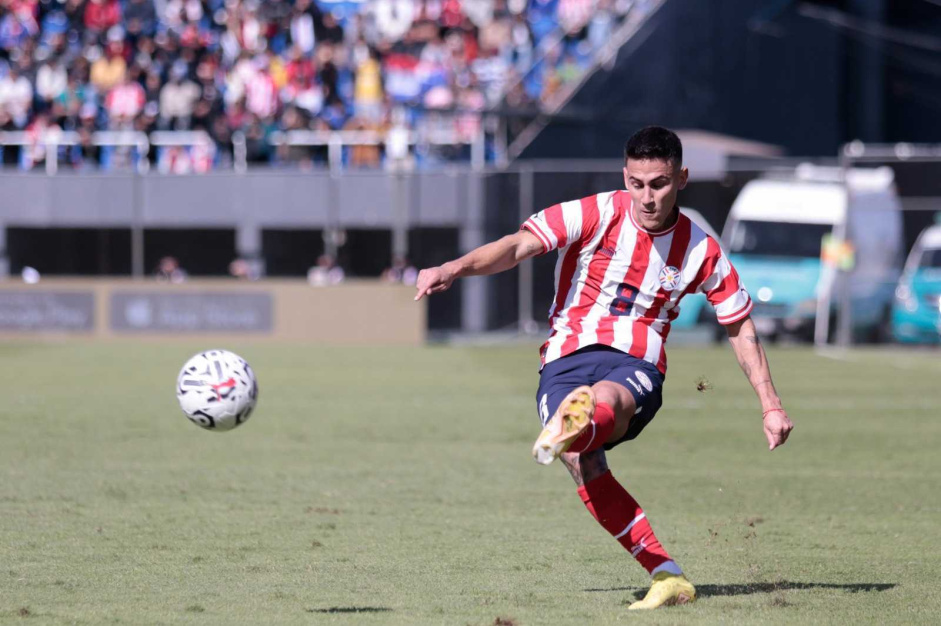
492 258
751 356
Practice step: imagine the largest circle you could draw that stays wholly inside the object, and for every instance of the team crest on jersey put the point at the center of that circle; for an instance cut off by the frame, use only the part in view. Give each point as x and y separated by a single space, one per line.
669 277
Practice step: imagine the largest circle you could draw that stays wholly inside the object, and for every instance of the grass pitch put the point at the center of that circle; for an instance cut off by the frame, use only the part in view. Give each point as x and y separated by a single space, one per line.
380 486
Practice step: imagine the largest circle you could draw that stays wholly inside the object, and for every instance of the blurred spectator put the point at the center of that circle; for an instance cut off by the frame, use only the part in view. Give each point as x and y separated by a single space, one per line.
109 69
16 97
326 272
100 15
169 271
124 103
178 99
362 155
140 18
303 36
401 271
51 82
368 91
244 269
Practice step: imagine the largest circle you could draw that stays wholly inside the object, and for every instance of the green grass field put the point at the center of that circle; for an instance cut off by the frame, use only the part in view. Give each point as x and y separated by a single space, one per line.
381 486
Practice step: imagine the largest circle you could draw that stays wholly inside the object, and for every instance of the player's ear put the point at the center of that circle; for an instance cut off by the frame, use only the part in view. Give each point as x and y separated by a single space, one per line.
625 174
684 177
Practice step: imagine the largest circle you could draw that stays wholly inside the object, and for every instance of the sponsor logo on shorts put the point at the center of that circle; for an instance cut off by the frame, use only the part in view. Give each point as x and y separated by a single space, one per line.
645 381
669 277
635 385
544 408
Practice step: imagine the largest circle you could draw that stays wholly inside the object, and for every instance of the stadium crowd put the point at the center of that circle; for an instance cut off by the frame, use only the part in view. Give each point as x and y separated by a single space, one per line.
227 66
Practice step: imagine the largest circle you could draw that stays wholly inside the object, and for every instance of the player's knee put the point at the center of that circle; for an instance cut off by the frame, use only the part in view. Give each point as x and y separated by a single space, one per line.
621 402
616 396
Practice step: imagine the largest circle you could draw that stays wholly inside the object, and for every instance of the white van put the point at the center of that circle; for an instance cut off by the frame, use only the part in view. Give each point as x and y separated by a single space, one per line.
774 233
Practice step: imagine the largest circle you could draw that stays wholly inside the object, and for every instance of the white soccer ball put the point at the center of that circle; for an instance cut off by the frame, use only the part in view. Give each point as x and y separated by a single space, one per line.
217 390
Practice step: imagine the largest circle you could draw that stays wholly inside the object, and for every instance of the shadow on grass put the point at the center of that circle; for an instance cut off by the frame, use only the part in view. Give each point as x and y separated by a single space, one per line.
749 588
351 609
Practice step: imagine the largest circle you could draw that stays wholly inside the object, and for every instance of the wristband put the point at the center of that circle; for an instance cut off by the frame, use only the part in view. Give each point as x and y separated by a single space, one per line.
765 414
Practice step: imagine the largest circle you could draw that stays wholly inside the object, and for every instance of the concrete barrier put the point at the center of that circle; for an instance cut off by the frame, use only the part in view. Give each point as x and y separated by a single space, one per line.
357 312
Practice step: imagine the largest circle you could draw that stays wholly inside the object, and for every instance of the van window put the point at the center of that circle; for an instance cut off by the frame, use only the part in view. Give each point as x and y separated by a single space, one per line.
931 258
778 238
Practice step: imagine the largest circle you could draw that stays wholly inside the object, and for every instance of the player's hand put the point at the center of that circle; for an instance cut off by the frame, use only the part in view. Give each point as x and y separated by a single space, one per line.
777 427
433 280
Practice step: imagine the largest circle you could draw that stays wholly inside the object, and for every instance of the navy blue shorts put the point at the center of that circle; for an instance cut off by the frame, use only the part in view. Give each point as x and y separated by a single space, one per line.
593 364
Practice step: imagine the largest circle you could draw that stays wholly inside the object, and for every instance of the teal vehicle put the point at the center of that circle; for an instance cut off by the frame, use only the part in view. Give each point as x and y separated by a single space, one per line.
774 236
916 315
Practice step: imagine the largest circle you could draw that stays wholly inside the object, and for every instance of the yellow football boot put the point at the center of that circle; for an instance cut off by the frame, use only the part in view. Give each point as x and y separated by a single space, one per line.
571 418
667 589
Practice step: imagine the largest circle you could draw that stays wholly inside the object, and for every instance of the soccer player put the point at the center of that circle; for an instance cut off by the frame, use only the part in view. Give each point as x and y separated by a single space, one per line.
626 259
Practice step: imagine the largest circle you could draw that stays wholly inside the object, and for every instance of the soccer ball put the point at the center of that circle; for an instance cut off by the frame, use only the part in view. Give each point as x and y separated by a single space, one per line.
217 390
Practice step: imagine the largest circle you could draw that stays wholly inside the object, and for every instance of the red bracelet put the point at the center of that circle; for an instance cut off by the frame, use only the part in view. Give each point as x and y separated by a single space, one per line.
765 414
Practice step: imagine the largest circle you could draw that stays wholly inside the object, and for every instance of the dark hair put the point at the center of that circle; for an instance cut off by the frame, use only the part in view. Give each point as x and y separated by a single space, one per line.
654 142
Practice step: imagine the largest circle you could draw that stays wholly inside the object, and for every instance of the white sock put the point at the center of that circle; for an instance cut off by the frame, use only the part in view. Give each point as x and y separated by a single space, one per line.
669 566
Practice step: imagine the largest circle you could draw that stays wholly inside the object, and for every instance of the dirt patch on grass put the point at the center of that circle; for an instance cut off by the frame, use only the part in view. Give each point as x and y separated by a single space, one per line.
323 510
504 621
24 612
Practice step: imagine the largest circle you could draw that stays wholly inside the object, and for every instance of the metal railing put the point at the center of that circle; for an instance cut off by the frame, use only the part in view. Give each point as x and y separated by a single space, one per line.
51 140
398 144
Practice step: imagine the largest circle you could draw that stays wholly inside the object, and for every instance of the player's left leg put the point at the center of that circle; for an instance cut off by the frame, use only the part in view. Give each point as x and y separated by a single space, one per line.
618 513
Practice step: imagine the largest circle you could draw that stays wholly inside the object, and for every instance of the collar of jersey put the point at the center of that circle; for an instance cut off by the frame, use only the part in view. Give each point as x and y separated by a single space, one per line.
630 214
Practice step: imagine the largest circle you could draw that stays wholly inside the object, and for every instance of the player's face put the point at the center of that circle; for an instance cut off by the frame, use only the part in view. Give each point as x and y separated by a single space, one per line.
653 185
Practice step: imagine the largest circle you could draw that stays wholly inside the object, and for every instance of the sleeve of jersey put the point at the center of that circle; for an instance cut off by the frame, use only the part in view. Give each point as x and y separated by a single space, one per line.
725 291
556 226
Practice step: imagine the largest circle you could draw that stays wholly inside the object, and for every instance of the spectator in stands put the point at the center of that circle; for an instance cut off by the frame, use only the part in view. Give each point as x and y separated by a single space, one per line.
401 271
16 97
178 99
124 103
243 269
169 271
330 31
51 82
326 272
367 94
364 155
109 69
100 15
17 27
302 28
140 19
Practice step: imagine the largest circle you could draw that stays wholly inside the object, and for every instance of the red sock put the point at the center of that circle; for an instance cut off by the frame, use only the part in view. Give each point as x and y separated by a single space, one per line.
615 509
598 431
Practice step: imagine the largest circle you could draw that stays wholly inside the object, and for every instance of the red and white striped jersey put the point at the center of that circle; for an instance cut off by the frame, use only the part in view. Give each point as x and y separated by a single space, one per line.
620 285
